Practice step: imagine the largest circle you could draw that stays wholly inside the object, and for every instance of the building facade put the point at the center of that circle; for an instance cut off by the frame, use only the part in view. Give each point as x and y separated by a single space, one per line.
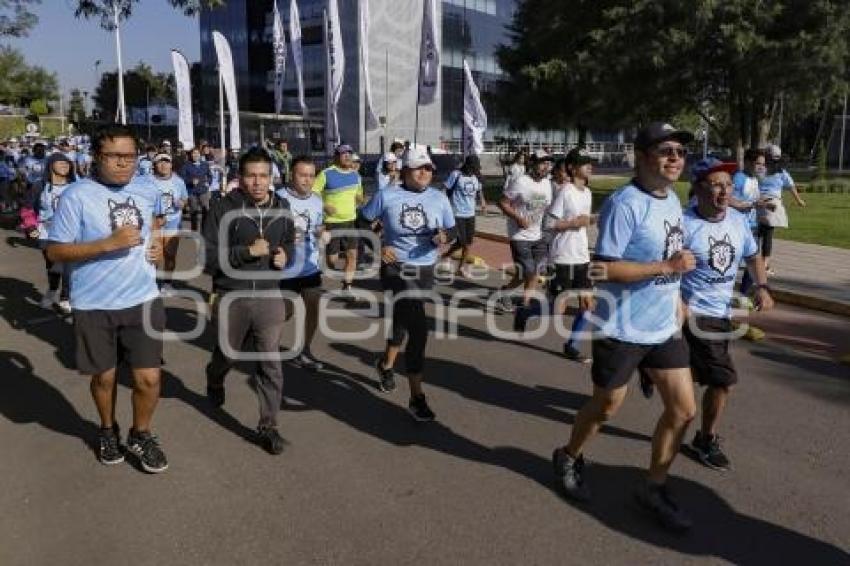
467 28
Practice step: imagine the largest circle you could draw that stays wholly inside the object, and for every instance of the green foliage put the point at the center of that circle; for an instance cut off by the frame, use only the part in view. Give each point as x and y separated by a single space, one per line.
821 161
52 126
12 126
140 84
104 9
16 19
20 83
39 107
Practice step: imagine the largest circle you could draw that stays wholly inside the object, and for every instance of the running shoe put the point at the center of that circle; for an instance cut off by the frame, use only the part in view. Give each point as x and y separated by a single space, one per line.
64 306
269 438
754 334
569 475
306 360
521 317
420 410
574 355
386 376
145 447
48 299
109 449
657 502
707 449
505 304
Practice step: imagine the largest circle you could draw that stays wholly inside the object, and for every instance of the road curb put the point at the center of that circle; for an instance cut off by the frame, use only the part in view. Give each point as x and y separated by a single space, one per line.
782 295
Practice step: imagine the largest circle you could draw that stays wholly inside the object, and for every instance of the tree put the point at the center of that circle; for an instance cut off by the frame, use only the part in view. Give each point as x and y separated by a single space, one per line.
16 19
104 9
141 84
618 62
20 83
38 107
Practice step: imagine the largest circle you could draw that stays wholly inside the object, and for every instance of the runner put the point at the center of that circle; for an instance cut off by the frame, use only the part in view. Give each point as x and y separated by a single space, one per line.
390 172
103 229
260 239
719 237
417 220
145 167
174 196
196 174
641 244
524 202
462 187
397 150
302 273
342 192
772 215
569 216
59 174
84 161
33 166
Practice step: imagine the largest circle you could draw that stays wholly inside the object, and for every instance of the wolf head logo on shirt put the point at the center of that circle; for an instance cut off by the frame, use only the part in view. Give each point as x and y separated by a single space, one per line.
168 202
124 214
674 239
302 223
721 254
413 218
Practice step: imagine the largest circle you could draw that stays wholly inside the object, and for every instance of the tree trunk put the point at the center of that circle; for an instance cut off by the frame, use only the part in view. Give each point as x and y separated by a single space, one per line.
582 134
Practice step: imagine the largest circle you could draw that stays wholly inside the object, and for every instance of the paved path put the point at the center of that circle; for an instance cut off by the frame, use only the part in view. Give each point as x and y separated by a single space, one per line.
361 484
808 270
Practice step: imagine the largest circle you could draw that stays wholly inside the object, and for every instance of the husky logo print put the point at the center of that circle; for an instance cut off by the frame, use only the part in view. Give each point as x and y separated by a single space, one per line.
674 239
302 224
124 214
721 254
168 202
413 218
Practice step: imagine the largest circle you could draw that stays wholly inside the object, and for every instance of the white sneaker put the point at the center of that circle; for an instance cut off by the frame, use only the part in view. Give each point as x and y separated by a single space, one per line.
166 289
65 306
48 299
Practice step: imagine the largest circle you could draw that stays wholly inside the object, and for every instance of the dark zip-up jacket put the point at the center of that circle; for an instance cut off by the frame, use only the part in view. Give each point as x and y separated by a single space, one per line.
242 230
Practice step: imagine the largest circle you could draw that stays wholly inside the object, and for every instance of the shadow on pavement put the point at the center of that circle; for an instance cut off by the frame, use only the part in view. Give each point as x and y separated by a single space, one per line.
465 380
832 385
27 398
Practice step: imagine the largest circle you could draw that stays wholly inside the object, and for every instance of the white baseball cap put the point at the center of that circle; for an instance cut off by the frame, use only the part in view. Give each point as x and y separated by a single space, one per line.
414 158
390 157
774 152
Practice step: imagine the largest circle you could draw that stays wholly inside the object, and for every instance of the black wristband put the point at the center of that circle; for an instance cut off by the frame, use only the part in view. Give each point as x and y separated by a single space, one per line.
764 286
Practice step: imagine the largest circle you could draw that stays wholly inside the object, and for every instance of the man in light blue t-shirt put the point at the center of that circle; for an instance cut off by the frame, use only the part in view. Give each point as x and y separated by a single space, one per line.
463 187
720 238
640 250
103 230
173 197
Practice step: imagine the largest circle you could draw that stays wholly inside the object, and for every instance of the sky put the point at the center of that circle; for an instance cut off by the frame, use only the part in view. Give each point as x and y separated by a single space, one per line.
68 46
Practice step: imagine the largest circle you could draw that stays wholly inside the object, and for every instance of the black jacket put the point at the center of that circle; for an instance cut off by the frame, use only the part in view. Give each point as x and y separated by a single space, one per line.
242 230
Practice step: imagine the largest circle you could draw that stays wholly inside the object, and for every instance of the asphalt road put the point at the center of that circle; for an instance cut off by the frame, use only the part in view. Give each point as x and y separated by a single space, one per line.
360 483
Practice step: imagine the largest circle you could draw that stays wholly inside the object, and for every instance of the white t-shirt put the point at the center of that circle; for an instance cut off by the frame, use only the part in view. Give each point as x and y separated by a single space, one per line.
570 247
530 199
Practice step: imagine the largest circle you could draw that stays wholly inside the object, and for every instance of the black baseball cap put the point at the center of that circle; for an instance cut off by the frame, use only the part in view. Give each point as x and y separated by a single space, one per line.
579 156
657 132
472 163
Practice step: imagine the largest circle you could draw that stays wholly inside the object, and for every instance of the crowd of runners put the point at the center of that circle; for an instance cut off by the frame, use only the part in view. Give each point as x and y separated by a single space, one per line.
655 291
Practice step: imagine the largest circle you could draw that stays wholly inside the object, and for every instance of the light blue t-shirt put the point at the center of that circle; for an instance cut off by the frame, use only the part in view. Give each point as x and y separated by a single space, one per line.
48 202
462 191
773 185
90 211
747 190
411 220
637 226
171 190
145 166
33 169
718 247
308 214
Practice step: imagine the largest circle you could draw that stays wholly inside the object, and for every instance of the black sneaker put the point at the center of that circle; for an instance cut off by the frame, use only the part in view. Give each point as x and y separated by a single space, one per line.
574 355
215 395
505 304
646 385
420 410
569 475
308 362
707 449
521 317
269 438
386 376
109 449
145 447
656 500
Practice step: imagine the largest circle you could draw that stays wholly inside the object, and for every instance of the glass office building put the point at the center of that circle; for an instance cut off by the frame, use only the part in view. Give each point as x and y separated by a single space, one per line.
467 28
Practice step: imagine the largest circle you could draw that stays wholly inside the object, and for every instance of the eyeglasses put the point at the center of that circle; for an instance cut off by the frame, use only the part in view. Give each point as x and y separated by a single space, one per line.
720 185
670 152
119 157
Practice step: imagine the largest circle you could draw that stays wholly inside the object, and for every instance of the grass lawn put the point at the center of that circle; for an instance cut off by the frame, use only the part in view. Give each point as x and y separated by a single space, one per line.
824 221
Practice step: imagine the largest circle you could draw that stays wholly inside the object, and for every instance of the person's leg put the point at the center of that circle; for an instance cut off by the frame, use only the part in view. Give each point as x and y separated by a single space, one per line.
53 278
417 340
169 248
267 329
713 403
677 393
602 406
104 389
205 206
146 387
231 330
767 244
350 262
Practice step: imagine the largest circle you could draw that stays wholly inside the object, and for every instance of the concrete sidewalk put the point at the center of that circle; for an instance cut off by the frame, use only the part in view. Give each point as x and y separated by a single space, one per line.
807 275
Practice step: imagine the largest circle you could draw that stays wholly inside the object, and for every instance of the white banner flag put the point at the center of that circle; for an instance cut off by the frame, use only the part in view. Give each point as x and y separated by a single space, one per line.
429 55
474 116
279 48
297 57
225 69
371 118
185 123
336 68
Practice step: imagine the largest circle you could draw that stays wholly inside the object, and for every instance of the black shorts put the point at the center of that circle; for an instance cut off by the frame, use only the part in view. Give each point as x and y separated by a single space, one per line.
99 334
568 277
710 359
340 244
529 257
465 230
614 361
300 284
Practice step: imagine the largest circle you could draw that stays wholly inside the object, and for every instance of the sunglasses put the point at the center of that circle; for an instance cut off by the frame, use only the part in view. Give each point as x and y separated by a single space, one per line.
670 152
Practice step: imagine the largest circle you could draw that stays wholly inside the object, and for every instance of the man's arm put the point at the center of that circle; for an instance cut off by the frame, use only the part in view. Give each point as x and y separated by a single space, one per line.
621 271
237 255
122 238
762 298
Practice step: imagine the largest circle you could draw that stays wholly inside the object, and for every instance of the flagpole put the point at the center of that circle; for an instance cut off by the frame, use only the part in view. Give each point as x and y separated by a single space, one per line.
221 115
122 109
328 131
463 84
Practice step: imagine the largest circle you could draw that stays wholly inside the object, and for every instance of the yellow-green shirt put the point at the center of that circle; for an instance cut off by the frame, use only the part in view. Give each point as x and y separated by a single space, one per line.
341 190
